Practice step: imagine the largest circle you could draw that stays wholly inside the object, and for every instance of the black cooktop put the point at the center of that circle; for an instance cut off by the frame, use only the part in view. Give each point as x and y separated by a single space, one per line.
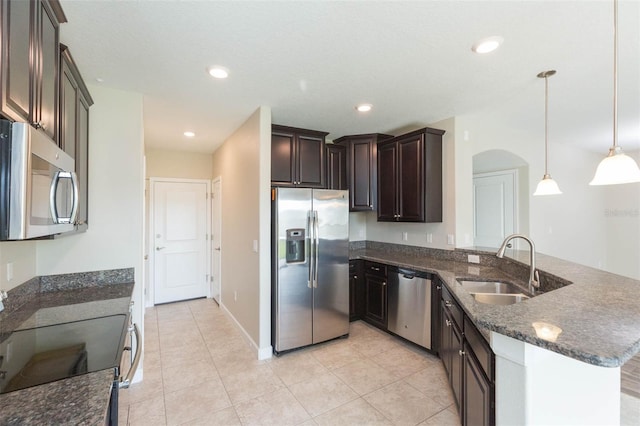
34 356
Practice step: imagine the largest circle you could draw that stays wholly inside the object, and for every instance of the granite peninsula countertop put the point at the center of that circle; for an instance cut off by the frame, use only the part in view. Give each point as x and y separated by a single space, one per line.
57 299
598 312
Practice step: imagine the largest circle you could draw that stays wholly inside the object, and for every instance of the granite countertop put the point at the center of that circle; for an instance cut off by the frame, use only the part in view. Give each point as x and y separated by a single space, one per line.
598 312
50 300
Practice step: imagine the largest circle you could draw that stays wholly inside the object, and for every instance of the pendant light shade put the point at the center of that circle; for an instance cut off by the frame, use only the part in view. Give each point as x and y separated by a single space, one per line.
616 168
547 186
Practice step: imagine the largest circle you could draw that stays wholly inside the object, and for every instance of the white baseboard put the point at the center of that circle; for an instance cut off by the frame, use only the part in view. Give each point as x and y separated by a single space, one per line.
261 353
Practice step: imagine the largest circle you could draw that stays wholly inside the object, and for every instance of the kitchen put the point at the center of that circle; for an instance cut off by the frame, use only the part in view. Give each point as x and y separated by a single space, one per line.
243 161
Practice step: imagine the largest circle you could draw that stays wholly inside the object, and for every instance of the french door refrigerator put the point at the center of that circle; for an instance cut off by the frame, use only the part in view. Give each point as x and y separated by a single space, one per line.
310 266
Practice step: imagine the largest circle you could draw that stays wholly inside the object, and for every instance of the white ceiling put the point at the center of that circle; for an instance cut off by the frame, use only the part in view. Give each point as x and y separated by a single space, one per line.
312 62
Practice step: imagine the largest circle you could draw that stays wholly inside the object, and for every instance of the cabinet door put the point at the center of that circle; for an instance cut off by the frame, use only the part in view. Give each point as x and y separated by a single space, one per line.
456 365
336 166
445 339
478 407
376 300
82 163
68 110
282 158
436 316
310 161
362 174
46 105
433 177
411 178
387 182
16 58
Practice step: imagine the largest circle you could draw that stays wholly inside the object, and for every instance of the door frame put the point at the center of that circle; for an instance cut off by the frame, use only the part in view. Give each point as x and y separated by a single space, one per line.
150 241
211 248
515 175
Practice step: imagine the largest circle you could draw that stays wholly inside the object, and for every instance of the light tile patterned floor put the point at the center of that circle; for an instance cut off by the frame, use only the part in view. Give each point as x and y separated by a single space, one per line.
199 370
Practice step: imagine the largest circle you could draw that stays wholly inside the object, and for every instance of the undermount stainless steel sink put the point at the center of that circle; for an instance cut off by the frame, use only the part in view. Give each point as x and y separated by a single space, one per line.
494 292
499 299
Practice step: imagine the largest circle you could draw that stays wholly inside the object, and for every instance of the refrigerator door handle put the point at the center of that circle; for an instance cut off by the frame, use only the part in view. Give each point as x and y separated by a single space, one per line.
316 243
310 245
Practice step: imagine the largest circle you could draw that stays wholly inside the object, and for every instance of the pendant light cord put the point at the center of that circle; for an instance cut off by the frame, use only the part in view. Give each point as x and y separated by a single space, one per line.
615 73
546 124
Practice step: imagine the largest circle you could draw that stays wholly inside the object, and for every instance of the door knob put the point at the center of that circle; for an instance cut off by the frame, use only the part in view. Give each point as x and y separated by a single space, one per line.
159 248
217 249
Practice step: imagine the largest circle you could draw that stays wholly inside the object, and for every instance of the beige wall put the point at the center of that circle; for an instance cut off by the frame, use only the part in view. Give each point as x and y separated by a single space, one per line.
114 237
417 232
178 164
243 164
22 254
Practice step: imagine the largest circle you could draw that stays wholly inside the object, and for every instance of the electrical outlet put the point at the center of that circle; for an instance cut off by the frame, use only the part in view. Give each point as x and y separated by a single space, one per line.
255 246
473 258
429 237
451 239
405 236
235 296
9 271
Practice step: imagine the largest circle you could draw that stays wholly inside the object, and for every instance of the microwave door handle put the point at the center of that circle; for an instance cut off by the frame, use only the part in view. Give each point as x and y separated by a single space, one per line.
52 197
74 207
76 203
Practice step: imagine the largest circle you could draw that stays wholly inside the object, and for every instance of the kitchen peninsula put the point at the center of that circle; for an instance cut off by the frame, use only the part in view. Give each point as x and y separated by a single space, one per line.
596 311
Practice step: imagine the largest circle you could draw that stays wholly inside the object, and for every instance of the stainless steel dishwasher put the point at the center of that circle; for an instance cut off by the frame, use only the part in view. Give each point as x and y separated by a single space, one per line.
409 306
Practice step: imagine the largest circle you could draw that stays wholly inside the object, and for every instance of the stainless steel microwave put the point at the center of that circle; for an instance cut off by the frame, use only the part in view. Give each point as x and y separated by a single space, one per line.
38 184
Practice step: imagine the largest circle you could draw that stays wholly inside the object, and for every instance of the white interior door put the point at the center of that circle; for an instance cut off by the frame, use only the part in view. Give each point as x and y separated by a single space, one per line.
216 240
179 240
494 207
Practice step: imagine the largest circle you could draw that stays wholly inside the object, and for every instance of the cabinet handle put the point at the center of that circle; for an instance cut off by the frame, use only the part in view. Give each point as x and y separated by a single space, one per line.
438 287
355 277
460 352
448 323
447 303
375 268
384 284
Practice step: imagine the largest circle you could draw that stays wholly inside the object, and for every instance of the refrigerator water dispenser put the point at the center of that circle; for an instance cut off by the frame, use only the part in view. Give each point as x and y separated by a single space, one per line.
295 245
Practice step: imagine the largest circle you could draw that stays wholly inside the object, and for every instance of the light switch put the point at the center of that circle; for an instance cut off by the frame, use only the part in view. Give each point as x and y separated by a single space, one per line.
255 246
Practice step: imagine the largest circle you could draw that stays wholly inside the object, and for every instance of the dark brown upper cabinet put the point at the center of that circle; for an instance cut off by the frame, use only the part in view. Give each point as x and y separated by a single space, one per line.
30 62
361 169
75 101
410 177
297 157
336 166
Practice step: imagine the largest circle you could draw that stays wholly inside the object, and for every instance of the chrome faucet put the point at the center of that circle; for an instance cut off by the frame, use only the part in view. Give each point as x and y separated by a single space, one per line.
534 277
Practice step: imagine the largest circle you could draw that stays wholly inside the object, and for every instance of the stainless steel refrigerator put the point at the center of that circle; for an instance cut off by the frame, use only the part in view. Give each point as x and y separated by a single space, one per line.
310 266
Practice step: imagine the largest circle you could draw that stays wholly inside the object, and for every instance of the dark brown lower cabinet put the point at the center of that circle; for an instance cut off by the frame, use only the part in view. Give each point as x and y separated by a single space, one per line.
375 285
469 364
478 392
356 290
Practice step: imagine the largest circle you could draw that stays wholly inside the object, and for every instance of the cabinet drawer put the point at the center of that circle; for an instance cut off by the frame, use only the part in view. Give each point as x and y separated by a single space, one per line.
452 306
480 347
374 268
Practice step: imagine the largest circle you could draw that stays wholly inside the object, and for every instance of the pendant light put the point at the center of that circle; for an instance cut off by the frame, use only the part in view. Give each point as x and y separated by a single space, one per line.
616 168
547 186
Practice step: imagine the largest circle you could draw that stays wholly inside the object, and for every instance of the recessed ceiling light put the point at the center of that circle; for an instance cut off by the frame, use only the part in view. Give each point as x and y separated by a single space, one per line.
189 134
100 79
487 45
364 107
218 72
